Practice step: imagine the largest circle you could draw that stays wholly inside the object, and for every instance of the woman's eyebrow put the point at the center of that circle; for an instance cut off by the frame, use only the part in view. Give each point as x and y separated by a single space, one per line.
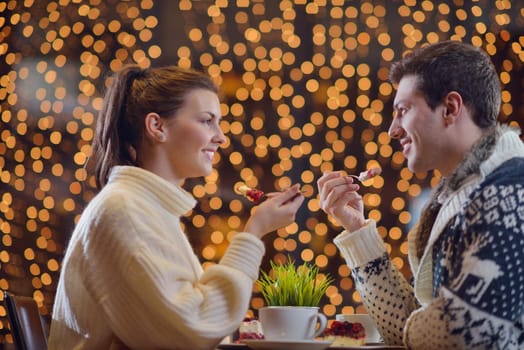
213 115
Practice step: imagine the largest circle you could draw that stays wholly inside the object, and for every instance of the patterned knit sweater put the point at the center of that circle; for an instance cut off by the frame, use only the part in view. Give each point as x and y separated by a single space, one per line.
130 278
467 257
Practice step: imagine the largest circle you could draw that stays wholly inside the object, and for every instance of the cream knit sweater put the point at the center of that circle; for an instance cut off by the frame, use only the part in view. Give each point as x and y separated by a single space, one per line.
130 276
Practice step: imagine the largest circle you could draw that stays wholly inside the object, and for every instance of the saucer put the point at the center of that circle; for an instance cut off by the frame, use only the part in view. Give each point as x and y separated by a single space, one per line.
369 346
287 345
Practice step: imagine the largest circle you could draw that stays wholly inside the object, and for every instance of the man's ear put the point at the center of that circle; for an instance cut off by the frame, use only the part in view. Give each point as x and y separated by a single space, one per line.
453 107
155 127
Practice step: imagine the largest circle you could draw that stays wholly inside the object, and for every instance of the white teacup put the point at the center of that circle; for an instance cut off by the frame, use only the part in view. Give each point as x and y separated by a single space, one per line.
372 334
291 323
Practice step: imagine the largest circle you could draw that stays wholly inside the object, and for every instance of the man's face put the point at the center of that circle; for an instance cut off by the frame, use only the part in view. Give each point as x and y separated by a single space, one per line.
420 130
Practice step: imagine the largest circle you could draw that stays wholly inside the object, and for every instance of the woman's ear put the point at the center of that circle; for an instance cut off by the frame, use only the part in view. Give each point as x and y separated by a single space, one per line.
154 127
453 107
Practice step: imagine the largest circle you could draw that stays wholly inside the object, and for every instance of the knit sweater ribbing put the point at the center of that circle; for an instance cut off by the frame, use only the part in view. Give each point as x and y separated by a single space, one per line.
130 275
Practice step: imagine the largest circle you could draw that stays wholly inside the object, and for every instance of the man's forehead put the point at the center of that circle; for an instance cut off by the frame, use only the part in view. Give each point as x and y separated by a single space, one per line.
407 87
407 82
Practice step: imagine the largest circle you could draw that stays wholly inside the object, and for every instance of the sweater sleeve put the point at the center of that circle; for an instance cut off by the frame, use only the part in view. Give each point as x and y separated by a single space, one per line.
153 291
385 293
480 301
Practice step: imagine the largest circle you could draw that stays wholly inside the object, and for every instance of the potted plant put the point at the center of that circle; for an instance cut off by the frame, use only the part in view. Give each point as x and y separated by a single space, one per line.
289 285
292 295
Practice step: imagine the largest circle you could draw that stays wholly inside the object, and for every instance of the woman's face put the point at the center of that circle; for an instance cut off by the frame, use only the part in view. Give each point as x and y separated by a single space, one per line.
194 135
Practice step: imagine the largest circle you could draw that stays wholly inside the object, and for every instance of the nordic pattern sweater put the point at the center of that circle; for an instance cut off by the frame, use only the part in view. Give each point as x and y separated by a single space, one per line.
130 278
467 257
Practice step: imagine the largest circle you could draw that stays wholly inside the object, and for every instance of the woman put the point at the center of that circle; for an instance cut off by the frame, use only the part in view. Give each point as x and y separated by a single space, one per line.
130 278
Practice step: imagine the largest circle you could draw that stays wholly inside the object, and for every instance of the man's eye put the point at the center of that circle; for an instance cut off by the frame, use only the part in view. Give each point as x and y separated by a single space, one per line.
400 112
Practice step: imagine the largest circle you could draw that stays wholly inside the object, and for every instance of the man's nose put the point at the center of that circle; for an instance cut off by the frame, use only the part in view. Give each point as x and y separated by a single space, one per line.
395 130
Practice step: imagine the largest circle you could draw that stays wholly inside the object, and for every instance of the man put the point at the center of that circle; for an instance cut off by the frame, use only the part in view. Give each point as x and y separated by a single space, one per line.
467 250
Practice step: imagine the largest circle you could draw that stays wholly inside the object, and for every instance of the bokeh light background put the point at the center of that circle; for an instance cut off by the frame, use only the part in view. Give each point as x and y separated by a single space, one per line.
304 90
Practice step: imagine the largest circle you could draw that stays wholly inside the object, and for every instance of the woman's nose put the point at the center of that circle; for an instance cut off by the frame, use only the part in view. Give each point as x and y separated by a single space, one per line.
220 138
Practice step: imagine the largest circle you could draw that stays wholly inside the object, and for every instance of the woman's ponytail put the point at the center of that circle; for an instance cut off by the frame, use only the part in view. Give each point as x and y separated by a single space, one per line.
114 140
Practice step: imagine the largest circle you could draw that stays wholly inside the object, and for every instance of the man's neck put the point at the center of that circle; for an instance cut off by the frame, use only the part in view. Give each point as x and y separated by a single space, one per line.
463 136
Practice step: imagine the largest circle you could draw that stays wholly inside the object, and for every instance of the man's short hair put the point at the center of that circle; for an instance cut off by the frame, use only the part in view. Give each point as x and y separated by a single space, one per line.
454 66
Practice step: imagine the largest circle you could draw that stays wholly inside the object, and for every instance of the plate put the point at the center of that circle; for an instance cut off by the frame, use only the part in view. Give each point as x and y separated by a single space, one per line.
373 346
232 346
287 345
370 346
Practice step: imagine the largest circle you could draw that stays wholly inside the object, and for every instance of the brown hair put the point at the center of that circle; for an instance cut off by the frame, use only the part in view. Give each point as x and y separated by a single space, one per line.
454 66
133 93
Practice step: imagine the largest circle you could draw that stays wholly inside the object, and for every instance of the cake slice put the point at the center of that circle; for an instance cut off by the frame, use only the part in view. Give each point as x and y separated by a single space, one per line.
344 333
253 194
250 329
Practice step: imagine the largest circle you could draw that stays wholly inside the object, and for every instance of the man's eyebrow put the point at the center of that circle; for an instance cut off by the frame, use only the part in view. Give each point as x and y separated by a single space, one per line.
396 104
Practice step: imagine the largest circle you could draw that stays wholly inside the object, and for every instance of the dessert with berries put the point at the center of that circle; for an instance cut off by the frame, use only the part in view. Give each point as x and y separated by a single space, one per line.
252 194
344 333
250 329
368 174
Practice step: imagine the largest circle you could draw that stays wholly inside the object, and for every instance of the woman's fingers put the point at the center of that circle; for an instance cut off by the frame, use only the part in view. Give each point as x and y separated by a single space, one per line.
286 195
277 211
292 194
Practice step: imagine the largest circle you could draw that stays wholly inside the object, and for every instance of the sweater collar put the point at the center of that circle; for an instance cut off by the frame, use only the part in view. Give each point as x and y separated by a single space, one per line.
169 195
498 144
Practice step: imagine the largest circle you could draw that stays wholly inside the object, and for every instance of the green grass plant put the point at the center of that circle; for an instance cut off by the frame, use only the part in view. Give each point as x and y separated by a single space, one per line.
289 285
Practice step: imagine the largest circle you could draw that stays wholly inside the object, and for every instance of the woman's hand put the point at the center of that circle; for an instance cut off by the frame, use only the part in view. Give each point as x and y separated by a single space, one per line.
338 198
278 210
